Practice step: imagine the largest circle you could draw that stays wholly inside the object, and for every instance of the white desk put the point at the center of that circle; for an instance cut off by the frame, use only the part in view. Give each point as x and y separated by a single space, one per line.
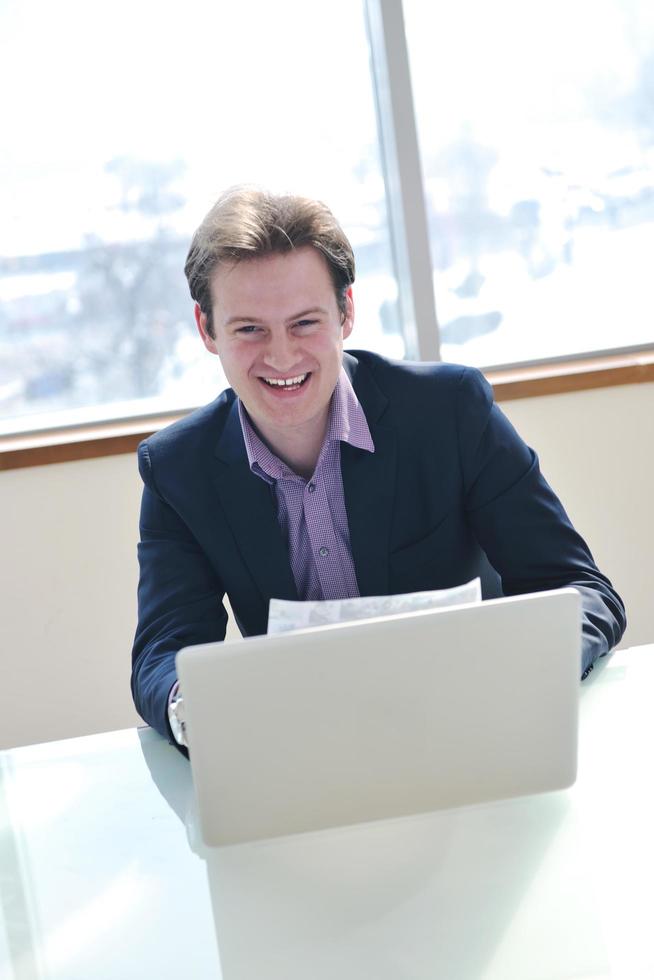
102 879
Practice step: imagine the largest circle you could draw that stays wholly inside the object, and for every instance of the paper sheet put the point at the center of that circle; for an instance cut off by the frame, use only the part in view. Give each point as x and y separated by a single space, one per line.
285 615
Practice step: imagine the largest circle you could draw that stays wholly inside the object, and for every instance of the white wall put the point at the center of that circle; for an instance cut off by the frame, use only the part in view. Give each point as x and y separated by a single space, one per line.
597 450
68 568
67 580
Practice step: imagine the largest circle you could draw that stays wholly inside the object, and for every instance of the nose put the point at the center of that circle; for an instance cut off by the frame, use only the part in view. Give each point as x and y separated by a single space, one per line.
281 353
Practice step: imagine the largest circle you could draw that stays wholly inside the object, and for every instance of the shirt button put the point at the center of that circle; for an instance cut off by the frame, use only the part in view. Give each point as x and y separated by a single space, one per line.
323 552
311 487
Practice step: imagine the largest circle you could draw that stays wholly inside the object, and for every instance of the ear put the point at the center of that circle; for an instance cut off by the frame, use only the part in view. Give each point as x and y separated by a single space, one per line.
201 322
348 320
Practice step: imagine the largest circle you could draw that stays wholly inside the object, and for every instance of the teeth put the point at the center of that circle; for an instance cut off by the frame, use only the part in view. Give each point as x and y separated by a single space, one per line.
284 383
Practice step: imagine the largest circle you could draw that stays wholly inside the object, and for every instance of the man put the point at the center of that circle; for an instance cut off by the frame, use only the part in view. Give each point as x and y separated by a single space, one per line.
320 474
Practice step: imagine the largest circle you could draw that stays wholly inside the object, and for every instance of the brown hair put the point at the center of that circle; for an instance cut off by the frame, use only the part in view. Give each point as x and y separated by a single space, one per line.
246 223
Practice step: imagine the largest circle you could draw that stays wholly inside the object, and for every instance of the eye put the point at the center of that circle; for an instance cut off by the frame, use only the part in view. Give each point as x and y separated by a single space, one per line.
248 329
306 324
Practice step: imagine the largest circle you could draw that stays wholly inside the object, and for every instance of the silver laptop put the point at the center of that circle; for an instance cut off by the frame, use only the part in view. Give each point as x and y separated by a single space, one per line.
385 717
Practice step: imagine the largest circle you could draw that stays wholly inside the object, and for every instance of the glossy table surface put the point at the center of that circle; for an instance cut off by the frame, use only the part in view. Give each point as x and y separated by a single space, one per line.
103 877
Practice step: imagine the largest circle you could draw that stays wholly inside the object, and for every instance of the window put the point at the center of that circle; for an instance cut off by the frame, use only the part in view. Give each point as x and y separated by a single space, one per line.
536 130
125 123
126 120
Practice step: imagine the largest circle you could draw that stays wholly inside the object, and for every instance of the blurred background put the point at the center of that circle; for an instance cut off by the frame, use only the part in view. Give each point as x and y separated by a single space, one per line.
122 123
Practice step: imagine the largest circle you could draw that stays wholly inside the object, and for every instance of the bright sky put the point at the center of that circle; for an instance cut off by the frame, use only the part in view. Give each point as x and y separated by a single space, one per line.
251 91
280 94
524 78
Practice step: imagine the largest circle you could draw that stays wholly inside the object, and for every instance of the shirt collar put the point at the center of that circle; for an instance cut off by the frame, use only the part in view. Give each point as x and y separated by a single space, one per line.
346 423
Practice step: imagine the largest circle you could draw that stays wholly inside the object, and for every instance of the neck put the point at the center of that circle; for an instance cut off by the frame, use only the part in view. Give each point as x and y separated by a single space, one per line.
302 464
298 448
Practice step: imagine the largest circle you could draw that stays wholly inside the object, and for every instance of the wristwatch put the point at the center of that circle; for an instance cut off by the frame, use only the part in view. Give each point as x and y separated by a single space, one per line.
177 719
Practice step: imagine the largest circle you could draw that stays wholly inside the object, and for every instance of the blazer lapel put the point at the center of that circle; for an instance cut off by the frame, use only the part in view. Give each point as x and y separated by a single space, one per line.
369 487
251 512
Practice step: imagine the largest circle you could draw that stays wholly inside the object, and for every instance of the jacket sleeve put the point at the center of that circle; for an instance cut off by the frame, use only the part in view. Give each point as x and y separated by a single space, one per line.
521 524
179 600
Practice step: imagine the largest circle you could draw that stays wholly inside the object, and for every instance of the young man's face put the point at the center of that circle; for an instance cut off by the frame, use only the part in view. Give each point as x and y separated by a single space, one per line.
276 319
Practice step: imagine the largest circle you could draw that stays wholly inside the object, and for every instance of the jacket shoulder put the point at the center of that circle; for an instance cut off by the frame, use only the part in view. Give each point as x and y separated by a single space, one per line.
417 381
189 434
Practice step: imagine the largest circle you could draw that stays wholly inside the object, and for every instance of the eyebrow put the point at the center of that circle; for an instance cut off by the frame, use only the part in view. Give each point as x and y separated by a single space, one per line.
290 319
241 319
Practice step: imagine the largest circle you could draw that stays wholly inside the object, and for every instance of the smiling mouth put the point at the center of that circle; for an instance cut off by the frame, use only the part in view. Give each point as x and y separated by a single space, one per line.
287 384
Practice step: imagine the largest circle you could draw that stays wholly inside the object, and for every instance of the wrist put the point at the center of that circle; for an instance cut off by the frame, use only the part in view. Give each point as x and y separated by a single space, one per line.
177 716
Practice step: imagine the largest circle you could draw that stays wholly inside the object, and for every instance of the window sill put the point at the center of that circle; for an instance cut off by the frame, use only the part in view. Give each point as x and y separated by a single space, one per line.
560 377
116 438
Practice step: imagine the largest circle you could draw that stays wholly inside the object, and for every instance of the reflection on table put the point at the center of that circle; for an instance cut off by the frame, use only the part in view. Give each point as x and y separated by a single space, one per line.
104 876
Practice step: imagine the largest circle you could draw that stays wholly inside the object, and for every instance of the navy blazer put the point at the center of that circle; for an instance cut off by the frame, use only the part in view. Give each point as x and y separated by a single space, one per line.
450 492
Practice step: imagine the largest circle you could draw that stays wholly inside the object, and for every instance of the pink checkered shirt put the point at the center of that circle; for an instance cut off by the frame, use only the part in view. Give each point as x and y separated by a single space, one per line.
311 513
